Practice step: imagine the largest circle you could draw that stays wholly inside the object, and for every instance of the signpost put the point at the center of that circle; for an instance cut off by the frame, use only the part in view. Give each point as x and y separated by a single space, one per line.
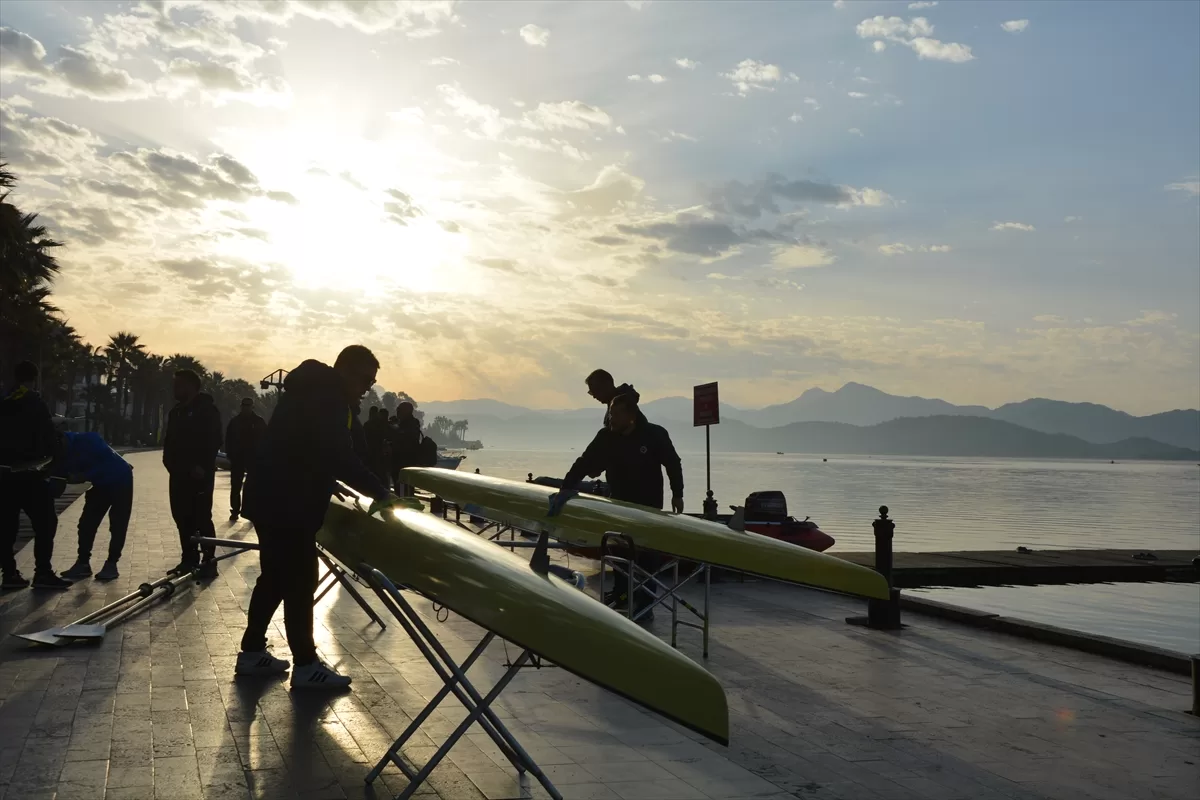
706 411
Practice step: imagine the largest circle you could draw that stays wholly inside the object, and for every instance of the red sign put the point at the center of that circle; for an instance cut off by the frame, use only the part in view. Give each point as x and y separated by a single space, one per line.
705 409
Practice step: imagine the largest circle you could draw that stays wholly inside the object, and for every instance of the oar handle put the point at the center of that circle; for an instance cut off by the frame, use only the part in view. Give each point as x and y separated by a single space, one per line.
168 588
143 591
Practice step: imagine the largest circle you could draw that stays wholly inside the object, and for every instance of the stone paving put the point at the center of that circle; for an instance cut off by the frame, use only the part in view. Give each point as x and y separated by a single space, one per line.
819 709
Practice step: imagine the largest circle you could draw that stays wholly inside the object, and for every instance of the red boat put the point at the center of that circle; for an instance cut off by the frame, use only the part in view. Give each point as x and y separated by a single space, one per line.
765 513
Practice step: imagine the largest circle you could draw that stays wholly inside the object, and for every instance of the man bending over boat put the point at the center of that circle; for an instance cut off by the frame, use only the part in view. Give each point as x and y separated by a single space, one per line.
633 452
307 446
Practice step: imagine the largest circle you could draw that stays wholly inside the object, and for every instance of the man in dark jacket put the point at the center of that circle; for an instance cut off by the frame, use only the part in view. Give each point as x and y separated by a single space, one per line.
405 440
27 437
633 453
306 448
375 429
603 389
190 455
241 441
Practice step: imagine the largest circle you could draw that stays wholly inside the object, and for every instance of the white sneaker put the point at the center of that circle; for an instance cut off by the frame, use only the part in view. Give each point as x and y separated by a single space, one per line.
318 675
260 663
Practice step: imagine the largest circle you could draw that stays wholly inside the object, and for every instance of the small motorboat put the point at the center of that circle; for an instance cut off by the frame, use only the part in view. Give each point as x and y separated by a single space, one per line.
765 513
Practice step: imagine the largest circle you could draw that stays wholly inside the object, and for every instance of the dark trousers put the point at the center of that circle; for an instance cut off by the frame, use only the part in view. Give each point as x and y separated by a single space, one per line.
31 494
237 474
117 502
648 560
191 508
288 560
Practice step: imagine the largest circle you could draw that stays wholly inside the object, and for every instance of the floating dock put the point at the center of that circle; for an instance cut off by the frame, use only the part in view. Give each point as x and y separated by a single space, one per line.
1037 567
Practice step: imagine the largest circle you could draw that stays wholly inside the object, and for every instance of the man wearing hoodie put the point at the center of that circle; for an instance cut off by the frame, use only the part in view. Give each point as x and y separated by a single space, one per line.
308 445
603 389
87 457
190 455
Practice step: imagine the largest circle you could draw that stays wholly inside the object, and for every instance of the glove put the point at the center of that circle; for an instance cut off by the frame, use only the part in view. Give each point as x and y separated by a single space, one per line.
558 500
382 504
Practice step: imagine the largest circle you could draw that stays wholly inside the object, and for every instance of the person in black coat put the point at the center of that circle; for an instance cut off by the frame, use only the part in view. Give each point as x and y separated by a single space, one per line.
27 436
405 440
190 455
602 388
632 453
307 447
242 436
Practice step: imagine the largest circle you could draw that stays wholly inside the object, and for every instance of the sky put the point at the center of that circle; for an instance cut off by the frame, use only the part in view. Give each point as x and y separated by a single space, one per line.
982 202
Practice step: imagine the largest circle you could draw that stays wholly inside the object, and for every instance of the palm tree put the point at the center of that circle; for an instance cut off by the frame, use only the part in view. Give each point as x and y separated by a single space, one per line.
122 350
146 385
25 258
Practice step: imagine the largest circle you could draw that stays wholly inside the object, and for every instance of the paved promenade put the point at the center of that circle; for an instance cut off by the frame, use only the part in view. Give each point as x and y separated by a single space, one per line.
819 709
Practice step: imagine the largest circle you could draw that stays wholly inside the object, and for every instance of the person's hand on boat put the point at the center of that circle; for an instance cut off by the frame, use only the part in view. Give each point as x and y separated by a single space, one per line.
677 504
383 504
558 500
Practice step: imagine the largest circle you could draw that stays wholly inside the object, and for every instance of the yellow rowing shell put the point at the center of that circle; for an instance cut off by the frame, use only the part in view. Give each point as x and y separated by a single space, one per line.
498 591
585 518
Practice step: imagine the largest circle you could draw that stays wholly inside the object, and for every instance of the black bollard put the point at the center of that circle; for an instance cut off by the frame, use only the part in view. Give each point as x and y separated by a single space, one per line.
882 614
710 506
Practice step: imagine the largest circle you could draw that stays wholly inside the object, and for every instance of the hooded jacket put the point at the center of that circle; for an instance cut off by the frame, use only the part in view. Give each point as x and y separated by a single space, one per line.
306 448
627 388
633 462
89 457
193 437
242 436
26 428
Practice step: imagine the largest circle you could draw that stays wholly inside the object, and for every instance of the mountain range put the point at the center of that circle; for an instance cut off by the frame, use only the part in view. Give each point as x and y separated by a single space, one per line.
791 426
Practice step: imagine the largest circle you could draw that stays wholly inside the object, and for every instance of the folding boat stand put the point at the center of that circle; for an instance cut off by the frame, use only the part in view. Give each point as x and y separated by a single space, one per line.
334 574
639 578
454 676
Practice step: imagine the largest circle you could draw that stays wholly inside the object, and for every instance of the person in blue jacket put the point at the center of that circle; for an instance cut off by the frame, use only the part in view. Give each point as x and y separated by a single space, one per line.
87 457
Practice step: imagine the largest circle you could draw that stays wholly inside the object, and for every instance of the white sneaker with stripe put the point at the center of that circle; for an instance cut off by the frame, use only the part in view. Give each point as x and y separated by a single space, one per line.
260 663
318 675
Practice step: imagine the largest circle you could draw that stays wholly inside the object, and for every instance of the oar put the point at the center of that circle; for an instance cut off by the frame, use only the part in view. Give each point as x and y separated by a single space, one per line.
80 627
96 632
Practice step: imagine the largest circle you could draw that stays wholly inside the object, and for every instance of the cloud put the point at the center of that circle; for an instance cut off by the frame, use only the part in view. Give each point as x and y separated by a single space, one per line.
750 75
922 4
916 34
655 78
222 82
534 35
900 248
488 118
400 208
416 20
698 236
1191 187
1012 226
802 256
571 114
796 117
1069 220
1051 319
501 265
1015 25
675 136
75 73
878 47
686 63
854 132
755 199
441 61
857 95
612 190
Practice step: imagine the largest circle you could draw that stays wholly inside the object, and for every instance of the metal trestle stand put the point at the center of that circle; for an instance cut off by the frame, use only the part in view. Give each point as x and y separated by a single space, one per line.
454 676
639 578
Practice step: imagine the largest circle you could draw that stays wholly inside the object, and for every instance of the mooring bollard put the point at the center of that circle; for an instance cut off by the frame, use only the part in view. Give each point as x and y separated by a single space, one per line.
710 506
882 614
1196 685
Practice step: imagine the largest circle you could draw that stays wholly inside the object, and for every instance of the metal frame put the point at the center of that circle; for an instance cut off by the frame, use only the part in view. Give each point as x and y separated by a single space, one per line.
639 578
454 678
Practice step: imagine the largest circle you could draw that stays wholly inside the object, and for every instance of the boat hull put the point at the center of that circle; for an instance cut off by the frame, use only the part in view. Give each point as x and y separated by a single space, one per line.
585 519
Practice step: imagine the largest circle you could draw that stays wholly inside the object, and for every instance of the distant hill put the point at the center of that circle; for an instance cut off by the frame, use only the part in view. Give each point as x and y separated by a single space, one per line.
1097 423
853 404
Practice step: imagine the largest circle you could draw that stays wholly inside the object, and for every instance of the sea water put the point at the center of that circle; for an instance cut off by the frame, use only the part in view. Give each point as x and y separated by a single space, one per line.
973 504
